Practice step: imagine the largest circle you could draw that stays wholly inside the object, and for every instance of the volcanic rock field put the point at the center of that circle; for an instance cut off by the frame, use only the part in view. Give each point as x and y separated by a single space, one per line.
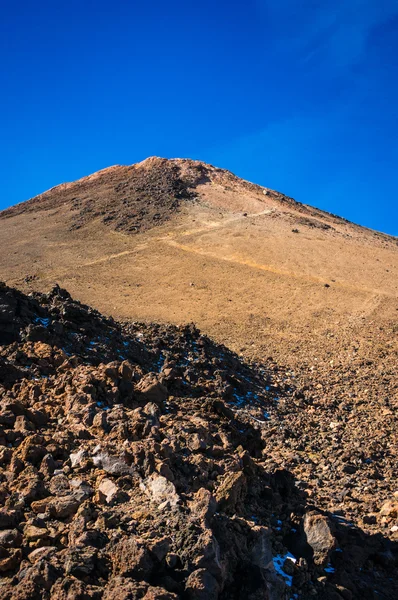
136 463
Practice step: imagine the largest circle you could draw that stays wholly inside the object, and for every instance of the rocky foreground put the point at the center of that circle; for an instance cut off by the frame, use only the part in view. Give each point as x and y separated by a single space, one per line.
141 461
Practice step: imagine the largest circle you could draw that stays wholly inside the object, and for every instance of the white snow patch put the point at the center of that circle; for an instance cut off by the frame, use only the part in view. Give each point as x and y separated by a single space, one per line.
44 322
279 561
329 569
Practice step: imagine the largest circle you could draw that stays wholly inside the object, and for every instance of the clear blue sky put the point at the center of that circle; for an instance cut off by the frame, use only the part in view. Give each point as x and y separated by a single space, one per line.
300 96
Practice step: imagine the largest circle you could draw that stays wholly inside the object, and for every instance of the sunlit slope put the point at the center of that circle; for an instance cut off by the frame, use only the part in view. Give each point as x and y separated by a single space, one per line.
181 241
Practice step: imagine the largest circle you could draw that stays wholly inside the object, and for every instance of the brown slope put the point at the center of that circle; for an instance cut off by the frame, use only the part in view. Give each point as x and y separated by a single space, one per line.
247 264
250 267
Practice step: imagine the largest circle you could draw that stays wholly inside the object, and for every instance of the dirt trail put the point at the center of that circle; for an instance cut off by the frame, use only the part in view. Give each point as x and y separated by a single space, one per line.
271 269
172 239
169 238
210 225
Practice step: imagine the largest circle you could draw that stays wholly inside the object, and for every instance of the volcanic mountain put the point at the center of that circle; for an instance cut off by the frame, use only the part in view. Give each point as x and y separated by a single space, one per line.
178 241
306 300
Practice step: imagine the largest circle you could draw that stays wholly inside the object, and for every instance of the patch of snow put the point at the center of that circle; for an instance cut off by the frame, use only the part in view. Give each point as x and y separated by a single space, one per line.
160 363
329 569
257 420
279 561
41 321
239 399
342 520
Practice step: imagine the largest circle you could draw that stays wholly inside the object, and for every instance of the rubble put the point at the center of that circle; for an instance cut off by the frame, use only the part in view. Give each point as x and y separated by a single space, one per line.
136 462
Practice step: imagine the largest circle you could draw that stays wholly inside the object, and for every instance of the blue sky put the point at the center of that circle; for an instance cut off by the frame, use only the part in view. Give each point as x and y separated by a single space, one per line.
297 96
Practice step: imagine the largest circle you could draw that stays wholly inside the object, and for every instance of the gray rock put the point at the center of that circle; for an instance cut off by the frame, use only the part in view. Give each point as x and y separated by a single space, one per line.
319 536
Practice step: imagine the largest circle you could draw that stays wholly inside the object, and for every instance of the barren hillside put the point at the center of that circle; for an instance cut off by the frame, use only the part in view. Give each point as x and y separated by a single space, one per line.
307 298
178 241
